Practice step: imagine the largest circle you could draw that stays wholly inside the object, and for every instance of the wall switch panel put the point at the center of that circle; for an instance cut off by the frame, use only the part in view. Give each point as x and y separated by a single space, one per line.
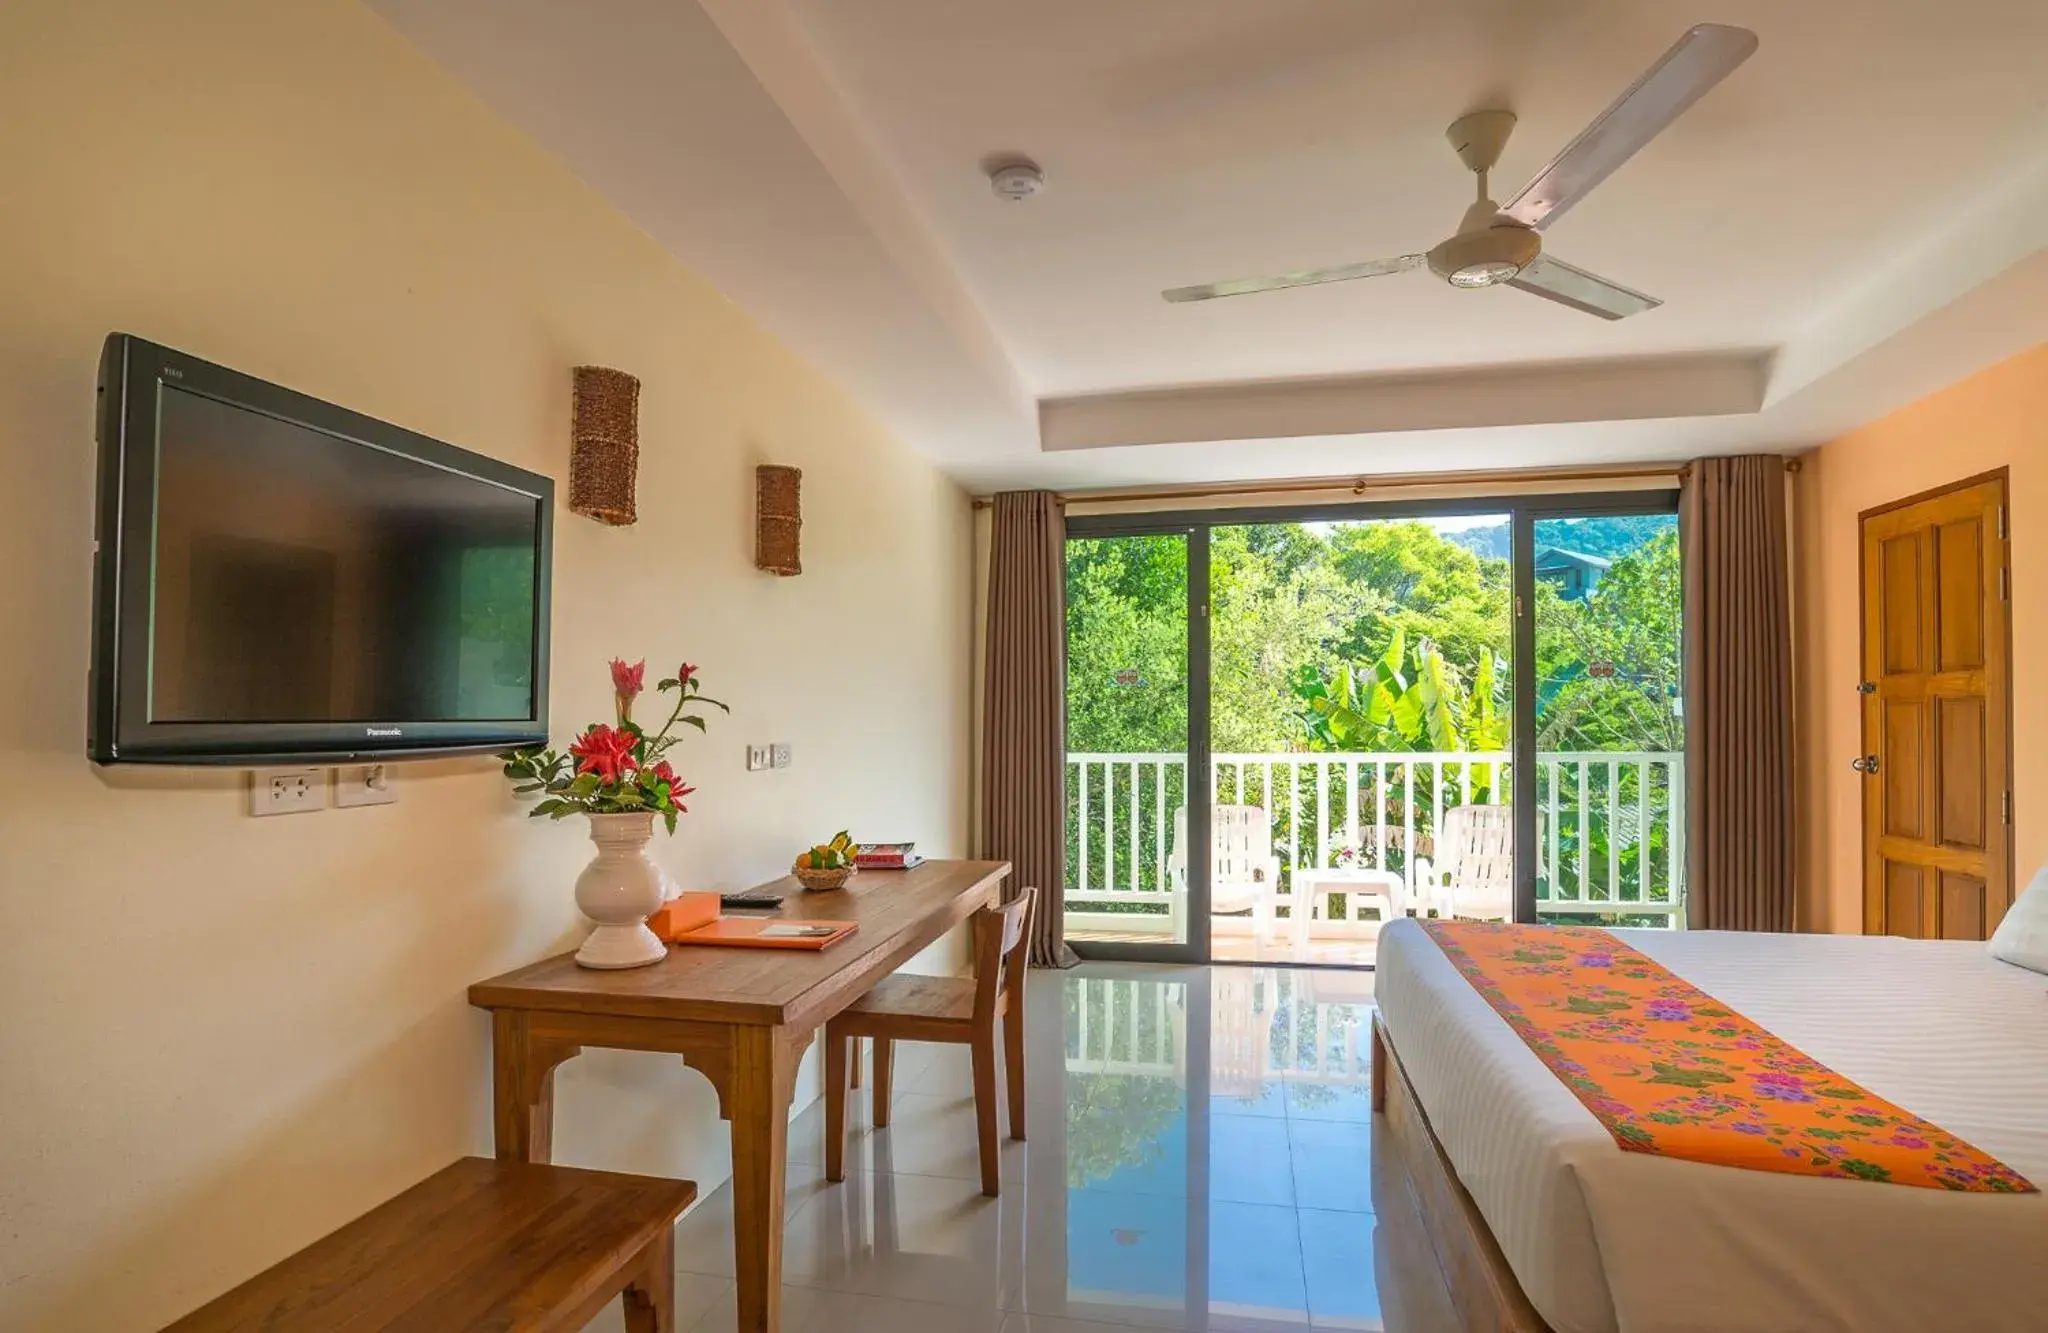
778 755
287 791
758 758
364 784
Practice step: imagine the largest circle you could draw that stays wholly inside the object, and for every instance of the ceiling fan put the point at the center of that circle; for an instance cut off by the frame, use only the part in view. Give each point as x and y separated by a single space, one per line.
1495 245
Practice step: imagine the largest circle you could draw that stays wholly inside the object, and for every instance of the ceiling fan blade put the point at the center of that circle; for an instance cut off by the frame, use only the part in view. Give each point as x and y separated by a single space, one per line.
1308 277
1702 58
1555 280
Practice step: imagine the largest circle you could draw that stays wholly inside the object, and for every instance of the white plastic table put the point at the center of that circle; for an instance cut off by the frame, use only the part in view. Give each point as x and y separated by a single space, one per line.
1313 886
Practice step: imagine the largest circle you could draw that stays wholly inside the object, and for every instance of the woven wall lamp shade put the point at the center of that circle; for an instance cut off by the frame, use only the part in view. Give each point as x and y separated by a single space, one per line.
778 521
604 456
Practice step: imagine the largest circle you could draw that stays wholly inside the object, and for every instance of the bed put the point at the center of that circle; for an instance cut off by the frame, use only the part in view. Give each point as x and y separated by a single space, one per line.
1542 1224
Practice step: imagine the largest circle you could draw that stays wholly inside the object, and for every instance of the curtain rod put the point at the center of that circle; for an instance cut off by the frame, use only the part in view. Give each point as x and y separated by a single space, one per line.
1391 481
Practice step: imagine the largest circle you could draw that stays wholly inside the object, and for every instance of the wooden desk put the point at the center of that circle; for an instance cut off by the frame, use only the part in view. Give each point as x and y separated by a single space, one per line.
740 1017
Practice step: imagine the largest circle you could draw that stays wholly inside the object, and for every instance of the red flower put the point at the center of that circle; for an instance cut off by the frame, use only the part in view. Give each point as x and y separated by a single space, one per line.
677 789
605 751
627 682
684 673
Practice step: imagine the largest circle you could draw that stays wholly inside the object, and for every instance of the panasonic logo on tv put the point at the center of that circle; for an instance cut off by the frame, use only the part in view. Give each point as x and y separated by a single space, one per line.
385 731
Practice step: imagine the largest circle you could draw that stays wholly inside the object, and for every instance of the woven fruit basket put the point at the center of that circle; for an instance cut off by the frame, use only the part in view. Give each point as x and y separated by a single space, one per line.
818 881
826 866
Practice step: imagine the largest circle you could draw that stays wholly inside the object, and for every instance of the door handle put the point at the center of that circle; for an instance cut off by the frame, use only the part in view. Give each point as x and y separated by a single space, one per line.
1867 764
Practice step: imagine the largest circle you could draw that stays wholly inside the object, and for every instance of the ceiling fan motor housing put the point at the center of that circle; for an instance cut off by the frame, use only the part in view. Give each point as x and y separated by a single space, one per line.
1486 255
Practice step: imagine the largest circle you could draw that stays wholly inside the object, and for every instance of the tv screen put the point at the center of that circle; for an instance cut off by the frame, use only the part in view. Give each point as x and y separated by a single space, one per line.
281 578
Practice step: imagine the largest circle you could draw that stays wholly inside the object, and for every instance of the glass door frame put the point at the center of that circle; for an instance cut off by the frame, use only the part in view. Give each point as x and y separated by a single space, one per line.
1522 511
1195 948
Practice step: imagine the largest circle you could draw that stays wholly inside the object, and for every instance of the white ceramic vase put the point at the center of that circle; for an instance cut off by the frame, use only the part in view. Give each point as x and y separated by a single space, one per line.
619 890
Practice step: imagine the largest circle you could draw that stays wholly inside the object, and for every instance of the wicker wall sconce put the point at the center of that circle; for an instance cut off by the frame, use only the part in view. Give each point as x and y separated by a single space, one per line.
778 519
604 456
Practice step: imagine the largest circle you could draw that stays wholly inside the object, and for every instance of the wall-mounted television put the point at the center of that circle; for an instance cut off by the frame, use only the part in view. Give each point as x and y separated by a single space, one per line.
280 580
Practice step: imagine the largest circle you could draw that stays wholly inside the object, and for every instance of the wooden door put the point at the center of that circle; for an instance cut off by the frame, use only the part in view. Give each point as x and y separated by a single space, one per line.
1937 721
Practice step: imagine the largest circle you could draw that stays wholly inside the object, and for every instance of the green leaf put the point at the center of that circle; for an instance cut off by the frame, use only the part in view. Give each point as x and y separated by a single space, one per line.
668 817
586 784
696 722
529 787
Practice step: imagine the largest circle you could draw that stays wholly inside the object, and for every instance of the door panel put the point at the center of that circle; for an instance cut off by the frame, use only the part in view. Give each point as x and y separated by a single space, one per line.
1959 589
1936 715
1962 908
1959 769
1902 894
1903 769
1901 604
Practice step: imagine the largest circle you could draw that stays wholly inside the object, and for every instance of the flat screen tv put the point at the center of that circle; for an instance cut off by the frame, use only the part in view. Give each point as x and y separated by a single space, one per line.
280 580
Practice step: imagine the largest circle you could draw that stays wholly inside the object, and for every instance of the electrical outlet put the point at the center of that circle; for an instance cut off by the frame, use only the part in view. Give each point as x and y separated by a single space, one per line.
778 755
287 791
364 784
758 758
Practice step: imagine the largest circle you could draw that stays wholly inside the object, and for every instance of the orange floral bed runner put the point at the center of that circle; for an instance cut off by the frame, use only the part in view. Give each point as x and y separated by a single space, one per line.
1671 1071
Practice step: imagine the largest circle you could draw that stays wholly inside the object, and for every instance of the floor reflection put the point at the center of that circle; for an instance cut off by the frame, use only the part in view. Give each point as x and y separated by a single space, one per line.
1200 1157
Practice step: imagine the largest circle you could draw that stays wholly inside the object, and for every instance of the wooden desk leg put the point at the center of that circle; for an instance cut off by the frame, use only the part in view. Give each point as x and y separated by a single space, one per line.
523 1088
650 1298
763 1077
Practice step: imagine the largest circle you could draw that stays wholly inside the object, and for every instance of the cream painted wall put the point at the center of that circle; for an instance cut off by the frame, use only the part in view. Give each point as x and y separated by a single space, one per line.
1996 418
221 1037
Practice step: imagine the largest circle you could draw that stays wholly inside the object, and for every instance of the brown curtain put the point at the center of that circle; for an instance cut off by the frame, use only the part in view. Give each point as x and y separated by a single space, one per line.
1024 710
1738 695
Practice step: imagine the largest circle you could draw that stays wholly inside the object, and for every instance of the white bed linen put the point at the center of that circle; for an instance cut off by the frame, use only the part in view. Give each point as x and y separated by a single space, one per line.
1604 1240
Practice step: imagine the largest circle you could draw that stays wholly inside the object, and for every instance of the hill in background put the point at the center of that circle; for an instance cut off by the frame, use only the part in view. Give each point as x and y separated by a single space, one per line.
1606 536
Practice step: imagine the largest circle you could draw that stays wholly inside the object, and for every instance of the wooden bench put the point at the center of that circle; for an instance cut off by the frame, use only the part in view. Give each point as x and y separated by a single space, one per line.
480 1245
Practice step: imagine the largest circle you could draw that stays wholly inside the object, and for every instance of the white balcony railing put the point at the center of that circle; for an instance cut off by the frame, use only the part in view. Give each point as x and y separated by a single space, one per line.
1610 827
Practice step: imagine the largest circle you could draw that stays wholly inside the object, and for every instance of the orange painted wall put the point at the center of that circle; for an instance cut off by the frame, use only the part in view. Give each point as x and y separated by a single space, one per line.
1996 418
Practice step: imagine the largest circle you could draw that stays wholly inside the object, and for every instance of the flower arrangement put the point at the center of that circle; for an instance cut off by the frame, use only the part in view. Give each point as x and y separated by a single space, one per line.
616 769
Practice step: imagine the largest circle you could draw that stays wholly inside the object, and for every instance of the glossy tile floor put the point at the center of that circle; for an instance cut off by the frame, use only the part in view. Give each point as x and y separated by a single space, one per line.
1226 945
1200 1157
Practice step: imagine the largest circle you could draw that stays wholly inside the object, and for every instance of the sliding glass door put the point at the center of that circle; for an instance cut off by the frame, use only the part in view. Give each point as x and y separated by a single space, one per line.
1609 719
1286 728
1137 869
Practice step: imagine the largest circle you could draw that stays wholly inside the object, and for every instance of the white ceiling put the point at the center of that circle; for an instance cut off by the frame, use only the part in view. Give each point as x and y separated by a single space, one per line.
1822 227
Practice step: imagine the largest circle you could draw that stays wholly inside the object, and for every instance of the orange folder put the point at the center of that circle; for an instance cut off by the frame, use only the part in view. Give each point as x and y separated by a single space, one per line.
769 932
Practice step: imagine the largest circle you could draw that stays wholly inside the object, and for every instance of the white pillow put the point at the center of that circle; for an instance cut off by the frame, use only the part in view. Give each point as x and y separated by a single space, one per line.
2022 938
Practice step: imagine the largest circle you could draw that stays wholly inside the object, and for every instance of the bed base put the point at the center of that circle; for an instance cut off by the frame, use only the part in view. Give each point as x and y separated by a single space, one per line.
1483 1289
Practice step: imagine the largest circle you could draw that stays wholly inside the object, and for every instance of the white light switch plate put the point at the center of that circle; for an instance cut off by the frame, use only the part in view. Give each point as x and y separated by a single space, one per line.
287 791
778 755
364 784
758 758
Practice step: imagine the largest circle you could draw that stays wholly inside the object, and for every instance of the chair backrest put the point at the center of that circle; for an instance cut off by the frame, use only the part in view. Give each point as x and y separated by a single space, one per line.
1476 851
1240 844
1002 943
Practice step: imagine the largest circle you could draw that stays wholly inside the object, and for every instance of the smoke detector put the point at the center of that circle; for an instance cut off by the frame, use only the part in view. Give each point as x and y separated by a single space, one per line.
1016 180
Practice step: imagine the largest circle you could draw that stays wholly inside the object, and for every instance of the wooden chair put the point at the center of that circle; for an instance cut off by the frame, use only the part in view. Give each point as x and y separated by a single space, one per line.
943 1009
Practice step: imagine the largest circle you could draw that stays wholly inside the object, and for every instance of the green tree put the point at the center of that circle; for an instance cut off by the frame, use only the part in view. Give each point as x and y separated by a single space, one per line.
1276 602
1127 645
1609 671
1428 586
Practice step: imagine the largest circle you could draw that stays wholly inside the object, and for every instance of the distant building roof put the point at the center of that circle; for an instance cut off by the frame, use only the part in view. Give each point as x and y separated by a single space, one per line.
1557 555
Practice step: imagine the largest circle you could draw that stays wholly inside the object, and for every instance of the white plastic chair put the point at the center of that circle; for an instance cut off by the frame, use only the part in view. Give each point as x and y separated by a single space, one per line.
1473 875
1243 872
